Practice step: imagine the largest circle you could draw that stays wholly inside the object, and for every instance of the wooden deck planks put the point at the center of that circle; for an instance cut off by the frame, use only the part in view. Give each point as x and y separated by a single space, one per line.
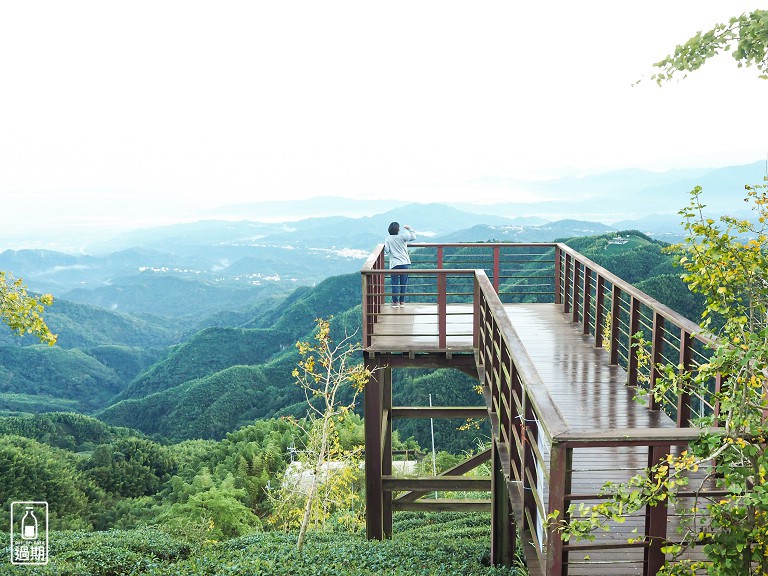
415 327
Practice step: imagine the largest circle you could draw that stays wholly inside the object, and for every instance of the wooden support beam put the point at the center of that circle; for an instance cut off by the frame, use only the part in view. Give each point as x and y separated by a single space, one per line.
439 412
561 464
558 281
374 494
615 324
439 483
458 470
655 521
577 296
686 363
443 505
384 428
503 526
633 351
599 310
386 450
465 362
567 286
587 291
657 352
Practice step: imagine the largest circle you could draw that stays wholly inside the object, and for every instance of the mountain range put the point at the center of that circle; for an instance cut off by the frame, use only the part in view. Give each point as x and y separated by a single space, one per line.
187 330
176 379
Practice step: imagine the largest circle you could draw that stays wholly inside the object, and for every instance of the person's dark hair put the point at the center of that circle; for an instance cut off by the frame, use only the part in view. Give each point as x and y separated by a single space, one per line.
394 229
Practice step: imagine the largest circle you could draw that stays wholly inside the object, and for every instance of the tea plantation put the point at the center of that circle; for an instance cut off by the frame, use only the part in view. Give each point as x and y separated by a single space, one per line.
422 544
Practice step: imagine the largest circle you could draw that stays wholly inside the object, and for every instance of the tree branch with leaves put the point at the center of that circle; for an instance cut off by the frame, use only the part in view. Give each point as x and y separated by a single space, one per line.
24 313
727 262
746 34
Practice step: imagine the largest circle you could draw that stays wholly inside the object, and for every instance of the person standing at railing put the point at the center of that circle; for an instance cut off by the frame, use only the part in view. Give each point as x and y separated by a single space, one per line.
396 247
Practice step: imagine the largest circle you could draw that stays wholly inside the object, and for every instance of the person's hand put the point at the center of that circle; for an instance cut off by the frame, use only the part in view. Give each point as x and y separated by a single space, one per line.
406 226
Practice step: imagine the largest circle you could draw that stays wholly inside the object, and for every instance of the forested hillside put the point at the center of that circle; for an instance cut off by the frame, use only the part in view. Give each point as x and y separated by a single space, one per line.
138 420
150 375
643 262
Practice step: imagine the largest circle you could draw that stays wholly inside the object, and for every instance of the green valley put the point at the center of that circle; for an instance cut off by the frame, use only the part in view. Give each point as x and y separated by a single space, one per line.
174 434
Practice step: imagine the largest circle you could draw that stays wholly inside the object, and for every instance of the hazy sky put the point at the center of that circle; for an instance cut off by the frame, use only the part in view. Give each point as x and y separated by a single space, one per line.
108 109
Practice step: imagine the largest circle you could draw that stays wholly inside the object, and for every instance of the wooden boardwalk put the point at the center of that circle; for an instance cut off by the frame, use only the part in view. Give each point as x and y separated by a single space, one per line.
589 393
563 413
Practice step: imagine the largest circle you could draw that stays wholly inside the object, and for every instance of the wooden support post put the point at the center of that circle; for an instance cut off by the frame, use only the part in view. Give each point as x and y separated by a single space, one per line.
655 521
615 324
476 314
494 370
368 313
496 268
657 351
503 529
518 425
587 291
374 493
576 291
567 284
634 326
380 289
530 472
442 311
599 312
718 387
507 419
386 464
560 464
558 270
684 399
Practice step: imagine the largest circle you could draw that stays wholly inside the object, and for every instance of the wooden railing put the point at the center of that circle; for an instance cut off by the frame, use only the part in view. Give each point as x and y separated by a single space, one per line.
443 274
619 317
534 443
539 445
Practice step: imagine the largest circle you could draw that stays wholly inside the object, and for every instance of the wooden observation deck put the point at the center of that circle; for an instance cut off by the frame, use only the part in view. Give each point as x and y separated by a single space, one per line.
549 336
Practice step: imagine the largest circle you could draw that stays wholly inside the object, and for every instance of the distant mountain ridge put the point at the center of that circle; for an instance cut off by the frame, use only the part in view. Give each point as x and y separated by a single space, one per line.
214 380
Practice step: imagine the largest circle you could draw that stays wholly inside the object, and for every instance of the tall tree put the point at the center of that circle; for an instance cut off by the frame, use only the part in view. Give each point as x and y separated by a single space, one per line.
325 369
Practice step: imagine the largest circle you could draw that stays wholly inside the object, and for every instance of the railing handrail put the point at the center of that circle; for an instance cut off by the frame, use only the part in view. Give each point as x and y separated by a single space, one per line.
544 406
372 259
663 310
553 423
482 244
424 271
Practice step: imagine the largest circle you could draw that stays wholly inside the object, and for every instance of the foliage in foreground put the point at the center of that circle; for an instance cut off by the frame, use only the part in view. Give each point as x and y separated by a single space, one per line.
326 368
423 544
21 312
726 262
747 34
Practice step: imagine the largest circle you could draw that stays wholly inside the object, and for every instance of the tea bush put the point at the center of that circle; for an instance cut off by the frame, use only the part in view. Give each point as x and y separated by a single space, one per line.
422 545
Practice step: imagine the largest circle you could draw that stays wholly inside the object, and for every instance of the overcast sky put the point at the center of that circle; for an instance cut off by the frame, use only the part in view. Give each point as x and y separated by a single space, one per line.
111 108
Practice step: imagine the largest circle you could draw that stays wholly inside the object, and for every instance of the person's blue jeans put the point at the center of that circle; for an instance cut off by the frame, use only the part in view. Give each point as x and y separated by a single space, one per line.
399 284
